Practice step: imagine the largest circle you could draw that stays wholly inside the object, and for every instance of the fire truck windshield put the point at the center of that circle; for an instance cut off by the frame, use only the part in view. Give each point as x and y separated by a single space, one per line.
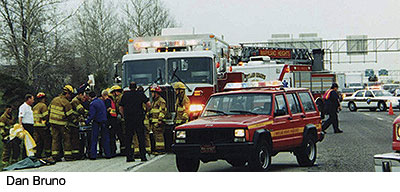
239 104
143 72
191 70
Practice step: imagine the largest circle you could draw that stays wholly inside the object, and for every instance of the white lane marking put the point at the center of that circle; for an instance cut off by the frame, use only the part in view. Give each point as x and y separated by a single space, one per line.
380 118
147 163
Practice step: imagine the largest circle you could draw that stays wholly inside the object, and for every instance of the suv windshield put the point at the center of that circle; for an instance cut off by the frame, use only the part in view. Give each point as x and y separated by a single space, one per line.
143 72
381 93
191 70
239 104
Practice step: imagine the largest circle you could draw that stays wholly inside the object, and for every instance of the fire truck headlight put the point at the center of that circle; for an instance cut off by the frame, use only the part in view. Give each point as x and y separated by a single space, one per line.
239 133
195 108
180 134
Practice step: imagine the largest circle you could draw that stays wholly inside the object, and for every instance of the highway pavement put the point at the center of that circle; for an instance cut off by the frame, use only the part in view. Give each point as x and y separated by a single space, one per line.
365 134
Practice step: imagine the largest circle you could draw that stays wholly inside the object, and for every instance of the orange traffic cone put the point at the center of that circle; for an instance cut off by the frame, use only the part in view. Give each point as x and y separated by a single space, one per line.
391 109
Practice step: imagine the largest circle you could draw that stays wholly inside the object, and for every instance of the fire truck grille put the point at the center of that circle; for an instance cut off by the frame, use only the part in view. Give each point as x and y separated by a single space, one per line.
207 136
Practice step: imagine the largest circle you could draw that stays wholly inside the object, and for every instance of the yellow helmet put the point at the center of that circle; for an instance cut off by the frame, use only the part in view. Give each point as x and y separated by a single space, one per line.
115 88
40 95
109 91
179 85
68 88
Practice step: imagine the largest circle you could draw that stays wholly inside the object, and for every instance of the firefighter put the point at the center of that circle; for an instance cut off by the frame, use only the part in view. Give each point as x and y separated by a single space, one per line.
9 148
42 133
60 113
146 131
116 91
157 113
182 104
111 121
79 116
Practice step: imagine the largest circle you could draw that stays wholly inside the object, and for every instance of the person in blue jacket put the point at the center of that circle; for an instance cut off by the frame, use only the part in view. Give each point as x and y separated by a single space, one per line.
98 114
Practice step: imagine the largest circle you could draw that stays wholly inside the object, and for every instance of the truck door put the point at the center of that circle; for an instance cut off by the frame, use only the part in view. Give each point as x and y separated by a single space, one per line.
296 122
280 127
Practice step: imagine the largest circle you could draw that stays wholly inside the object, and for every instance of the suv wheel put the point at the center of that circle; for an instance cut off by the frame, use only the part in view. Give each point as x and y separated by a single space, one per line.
382 106
352 107
260 160
307 154
237 162
187 165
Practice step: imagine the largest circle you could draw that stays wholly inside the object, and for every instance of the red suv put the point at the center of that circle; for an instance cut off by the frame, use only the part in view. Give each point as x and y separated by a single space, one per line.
250 125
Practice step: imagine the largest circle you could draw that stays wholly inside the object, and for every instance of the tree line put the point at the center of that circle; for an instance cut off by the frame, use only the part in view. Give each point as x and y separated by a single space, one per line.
43 46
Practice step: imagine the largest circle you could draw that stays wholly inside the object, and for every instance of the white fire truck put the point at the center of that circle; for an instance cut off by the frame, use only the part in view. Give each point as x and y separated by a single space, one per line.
200 61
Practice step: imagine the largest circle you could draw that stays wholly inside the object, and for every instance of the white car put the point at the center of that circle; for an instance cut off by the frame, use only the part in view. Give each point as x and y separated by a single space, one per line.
371 99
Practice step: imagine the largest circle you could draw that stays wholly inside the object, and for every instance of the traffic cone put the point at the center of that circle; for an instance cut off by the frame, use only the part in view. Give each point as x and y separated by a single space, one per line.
391 109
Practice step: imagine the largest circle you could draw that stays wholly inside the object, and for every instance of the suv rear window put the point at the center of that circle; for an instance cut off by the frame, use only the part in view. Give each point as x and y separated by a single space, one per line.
293 103
307 101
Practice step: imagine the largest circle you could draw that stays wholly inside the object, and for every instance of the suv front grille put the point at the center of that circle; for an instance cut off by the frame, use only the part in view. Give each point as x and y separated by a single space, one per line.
210 135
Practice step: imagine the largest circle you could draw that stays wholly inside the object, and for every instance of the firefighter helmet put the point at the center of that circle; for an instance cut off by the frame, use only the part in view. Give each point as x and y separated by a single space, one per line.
155 88
109 91
40 95
68 88
115 88
179 85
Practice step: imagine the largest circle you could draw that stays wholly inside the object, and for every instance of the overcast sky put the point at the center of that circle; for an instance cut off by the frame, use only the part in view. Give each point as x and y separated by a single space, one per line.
256 20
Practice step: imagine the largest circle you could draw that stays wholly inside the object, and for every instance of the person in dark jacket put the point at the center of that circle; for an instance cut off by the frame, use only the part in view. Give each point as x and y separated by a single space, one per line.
98 114
331 108
131 108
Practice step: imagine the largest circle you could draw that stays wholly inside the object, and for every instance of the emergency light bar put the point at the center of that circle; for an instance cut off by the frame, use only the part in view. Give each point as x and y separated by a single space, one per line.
248 85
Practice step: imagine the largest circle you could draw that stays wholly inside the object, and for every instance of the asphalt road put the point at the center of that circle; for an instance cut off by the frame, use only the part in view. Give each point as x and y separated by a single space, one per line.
365 134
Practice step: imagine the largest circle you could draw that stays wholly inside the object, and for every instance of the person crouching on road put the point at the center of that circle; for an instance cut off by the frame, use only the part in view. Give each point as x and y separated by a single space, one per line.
98 114
42 135
10 148
332 106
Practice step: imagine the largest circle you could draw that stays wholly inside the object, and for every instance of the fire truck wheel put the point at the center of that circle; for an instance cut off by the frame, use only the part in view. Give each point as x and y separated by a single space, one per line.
237 162
352 107
382 106
187 165
307 154
260 160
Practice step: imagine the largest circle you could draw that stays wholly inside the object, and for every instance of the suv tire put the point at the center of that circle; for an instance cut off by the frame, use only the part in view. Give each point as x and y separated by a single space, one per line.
382 106
307 154
260 159
187 165
352 107
237 162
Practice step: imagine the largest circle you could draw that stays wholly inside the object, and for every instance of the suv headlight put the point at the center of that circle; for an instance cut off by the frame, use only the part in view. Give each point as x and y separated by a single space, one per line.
181 134
398 131
240 133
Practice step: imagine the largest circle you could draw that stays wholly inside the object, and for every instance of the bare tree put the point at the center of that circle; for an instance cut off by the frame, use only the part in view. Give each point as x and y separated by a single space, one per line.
98 39
31 41
146 18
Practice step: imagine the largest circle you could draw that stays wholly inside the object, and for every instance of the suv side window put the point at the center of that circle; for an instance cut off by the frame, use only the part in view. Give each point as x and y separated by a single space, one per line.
369 94
280 104
360 94
293 103
307 101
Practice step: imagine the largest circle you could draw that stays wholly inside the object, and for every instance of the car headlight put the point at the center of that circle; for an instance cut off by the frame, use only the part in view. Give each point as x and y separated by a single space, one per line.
180 134
240 133
195 108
